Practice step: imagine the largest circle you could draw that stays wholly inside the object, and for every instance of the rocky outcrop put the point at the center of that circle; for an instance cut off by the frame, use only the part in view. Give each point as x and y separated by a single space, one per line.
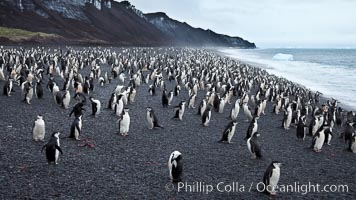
184 34
106 22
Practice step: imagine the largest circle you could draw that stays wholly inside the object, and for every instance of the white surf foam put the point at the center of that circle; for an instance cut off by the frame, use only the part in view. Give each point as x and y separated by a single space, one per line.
284 57
333 81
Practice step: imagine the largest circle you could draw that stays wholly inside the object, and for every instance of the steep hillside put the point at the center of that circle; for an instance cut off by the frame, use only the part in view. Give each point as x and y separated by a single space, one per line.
104 22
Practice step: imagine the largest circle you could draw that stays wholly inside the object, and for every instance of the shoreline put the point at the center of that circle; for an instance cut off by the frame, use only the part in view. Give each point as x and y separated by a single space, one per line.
324 97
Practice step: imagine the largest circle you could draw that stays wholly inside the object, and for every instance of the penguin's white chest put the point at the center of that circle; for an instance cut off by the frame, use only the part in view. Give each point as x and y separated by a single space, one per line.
39 130
231 134
150 120
125 123
319 141
275 176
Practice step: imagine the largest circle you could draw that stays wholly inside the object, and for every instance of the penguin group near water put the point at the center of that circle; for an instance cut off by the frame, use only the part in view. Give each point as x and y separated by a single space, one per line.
122 88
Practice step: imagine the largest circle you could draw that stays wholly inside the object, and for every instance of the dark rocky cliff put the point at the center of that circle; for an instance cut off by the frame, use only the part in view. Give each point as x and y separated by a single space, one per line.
105 22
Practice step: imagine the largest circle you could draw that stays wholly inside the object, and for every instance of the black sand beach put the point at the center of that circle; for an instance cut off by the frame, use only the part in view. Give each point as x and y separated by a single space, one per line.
135 167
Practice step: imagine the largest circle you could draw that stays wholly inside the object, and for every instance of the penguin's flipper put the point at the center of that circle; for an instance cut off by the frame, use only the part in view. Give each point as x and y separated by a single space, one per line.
59 149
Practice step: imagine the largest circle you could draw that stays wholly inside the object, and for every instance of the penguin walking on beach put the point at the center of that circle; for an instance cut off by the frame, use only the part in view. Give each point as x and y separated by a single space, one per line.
179 110
328 135
112 100
119 105
175 166
53 148
253 146
229 132
152 119
152 90
95 106
164 99
235 110
314 126
319 139
76 128
170 98
277 106
206 116
302 125
7 89
271 177
192 98
176 90
202 107
28 92
287 117
66 99
124 122
132 95
247 111
39 89
222 103
252 128
38 129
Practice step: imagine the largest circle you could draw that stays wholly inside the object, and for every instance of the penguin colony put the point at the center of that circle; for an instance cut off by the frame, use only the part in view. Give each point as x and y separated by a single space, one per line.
187 81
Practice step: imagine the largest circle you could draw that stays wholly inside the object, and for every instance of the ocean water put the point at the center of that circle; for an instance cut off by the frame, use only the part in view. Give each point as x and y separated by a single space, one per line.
329 71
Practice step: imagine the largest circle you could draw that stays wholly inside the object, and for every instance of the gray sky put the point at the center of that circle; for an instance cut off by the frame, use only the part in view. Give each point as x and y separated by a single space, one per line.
268 23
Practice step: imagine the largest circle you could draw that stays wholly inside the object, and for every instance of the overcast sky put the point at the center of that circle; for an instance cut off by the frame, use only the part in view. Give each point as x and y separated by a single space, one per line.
268 23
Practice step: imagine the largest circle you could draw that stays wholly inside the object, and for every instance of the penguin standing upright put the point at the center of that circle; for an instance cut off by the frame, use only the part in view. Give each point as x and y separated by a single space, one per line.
152 119
287 117
313 126
252 128
328 135
38 129
222 103
253 146
152 90
66 99
119 105
53 148
39 89
132 95
192 98
95 106
229 132
176 90
112 101
202 107
206 116
318 139
8 87
164 99
247 111
124 122
170 98
235 110
175 166
179 110
28 92
76 128
271 177
302 124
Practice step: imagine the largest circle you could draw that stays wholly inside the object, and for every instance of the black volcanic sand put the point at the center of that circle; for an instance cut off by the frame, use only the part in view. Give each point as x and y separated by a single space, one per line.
135 167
